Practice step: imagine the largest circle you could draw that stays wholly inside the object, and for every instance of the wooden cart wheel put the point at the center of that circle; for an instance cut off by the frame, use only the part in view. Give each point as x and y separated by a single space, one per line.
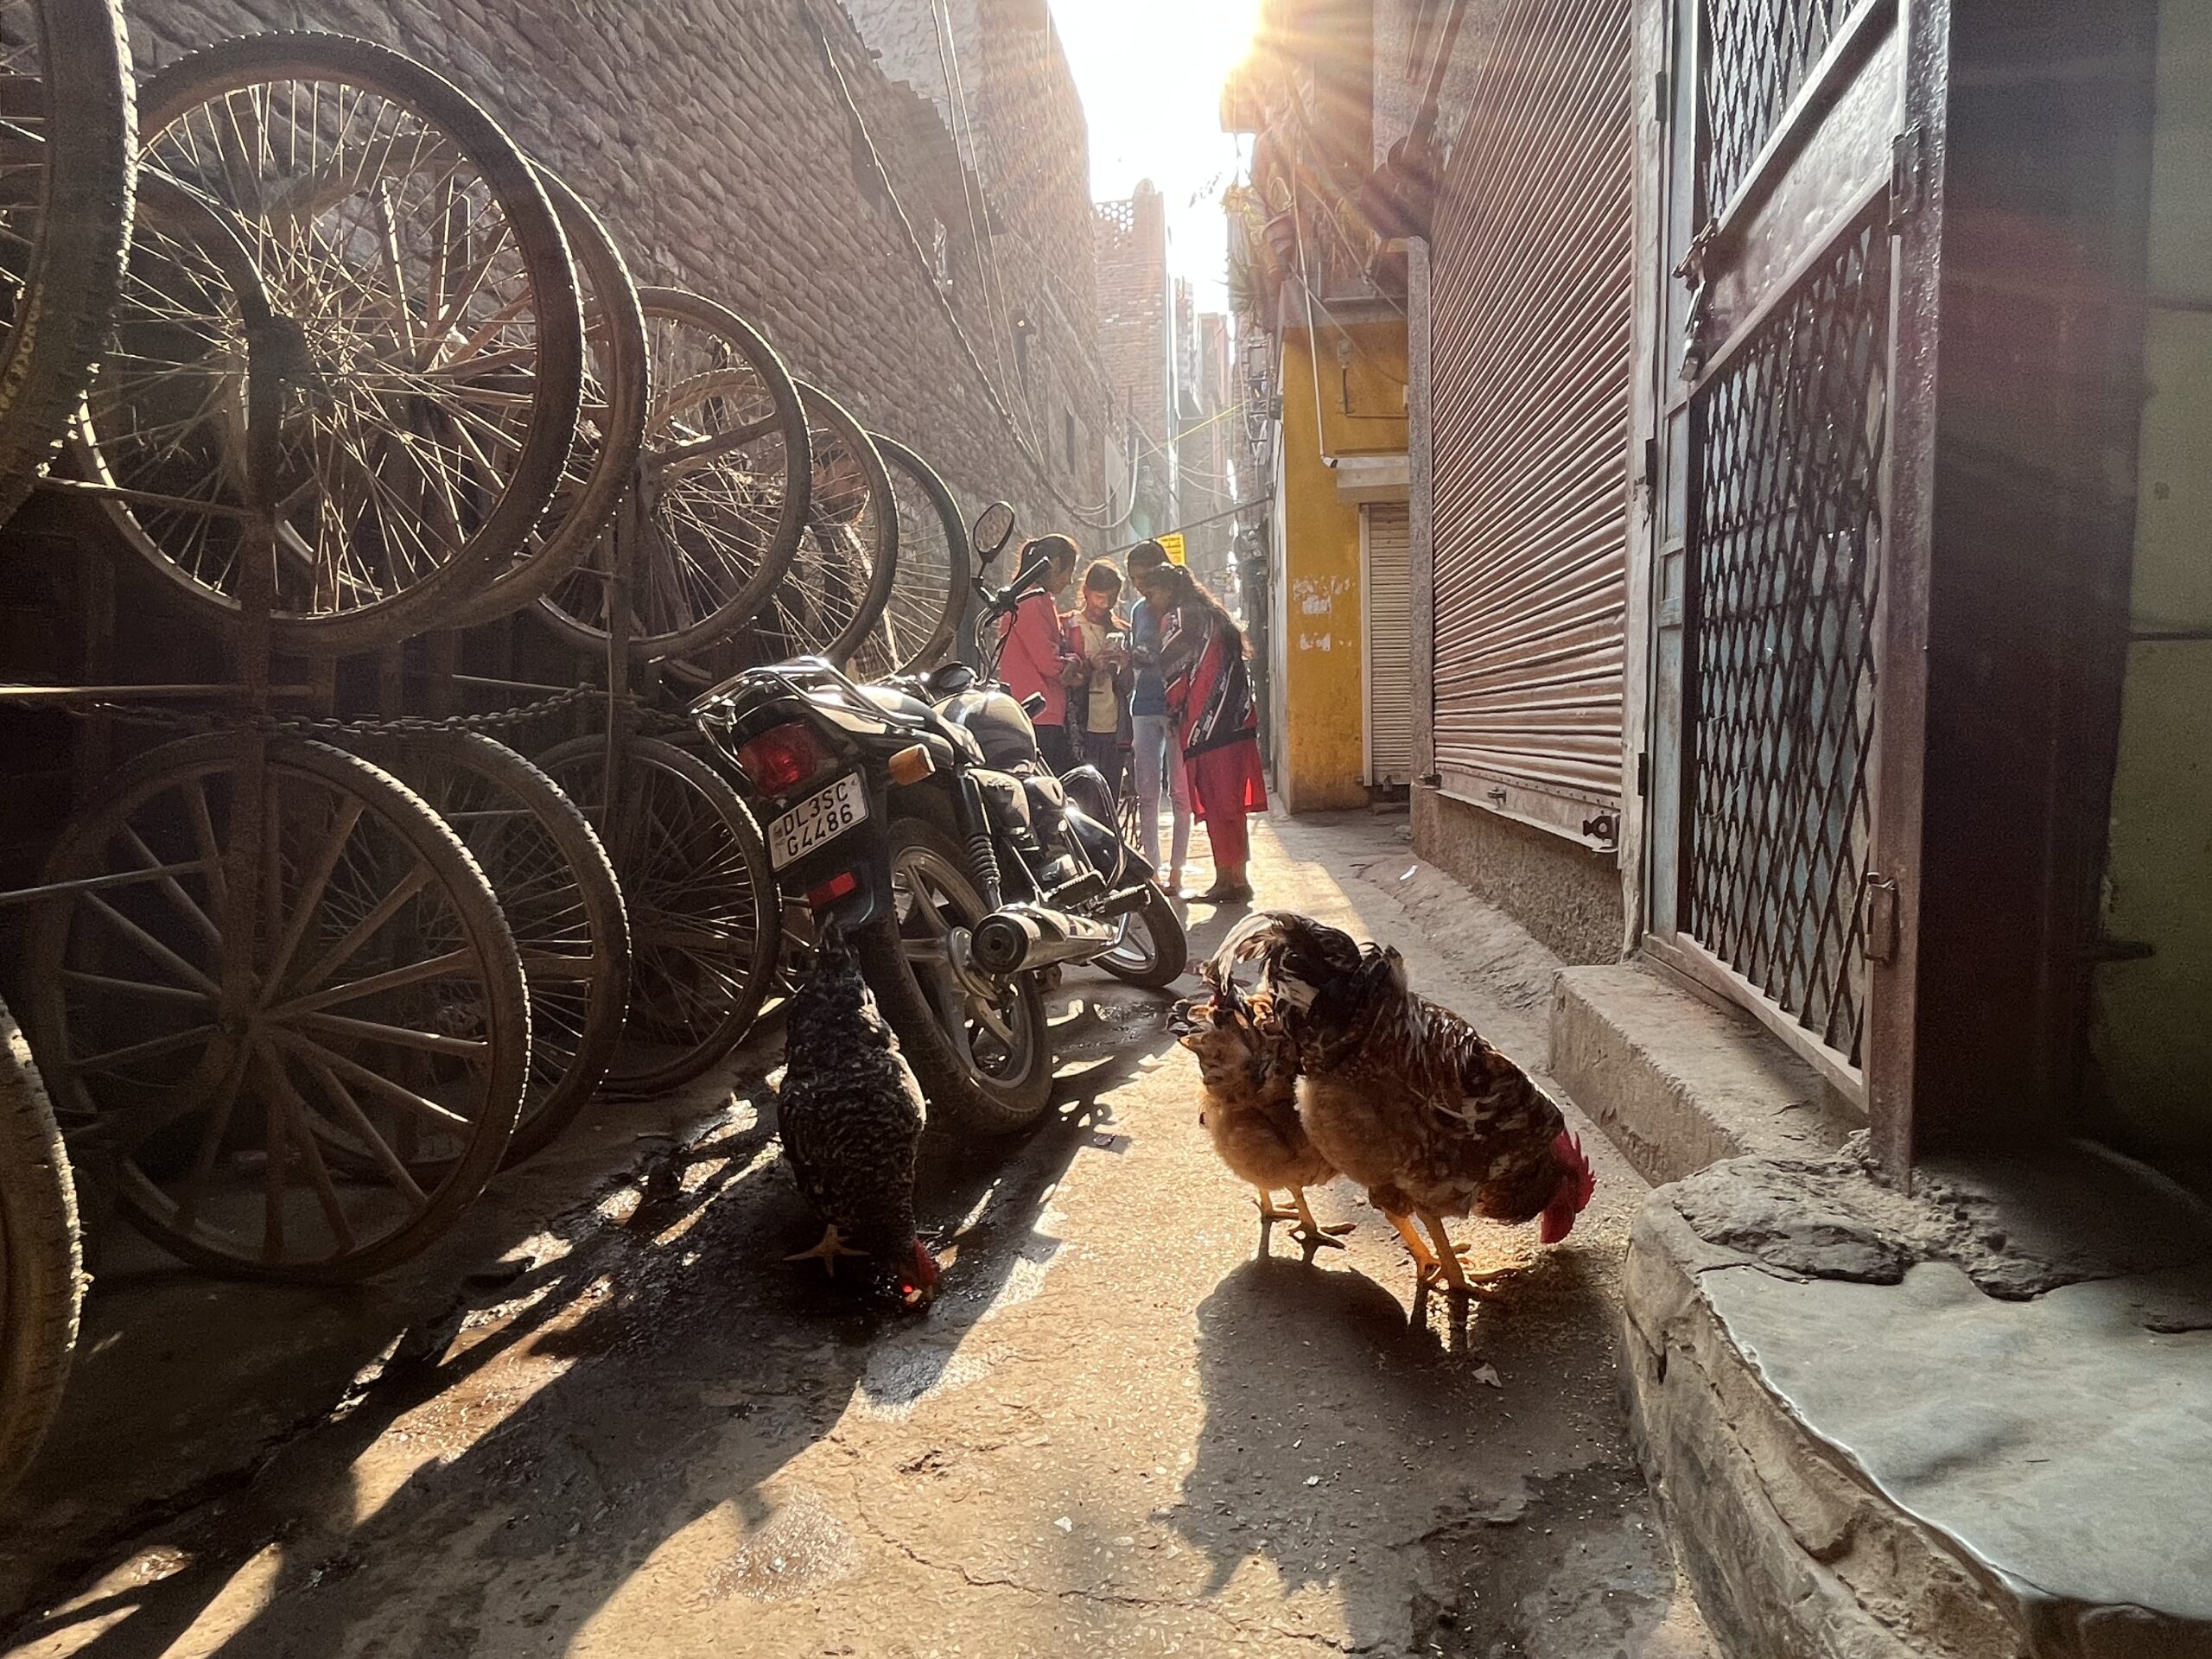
559 895
42 1282
610 429
840 578
427 341
922 617
68 139
705 920
333 970
722 487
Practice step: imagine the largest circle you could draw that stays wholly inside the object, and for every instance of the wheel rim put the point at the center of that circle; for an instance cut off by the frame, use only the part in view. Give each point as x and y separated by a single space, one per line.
703 929
1135 950
922 612
990 1025
573 942
380 1008
610 419
726 481
429 345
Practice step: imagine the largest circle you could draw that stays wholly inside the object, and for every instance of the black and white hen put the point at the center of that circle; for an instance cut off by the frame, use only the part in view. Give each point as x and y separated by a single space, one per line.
851 1115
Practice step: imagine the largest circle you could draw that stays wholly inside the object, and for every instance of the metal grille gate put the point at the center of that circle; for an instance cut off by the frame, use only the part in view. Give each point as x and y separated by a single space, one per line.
1782 680
1759 53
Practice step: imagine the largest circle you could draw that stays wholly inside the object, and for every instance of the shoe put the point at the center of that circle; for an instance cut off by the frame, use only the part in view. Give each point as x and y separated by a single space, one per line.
1231 893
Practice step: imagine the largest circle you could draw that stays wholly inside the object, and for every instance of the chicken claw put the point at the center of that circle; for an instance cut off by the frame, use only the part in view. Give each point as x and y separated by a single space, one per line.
1310 1234
827 1251
1448 1261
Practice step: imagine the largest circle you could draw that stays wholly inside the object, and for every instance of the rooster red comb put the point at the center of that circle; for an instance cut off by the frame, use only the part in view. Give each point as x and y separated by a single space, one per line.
1577 1182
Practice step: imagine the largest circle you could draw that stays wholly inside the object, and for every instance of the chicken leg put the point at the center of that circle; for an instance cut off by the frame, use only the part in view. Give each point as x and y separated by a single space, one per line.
1310 1234
1448 1261
827 1251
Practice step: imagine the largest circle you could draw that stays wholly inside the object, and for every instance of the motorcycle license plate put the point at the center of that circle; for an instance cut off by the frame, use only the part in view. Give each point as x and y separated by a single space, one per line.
817 819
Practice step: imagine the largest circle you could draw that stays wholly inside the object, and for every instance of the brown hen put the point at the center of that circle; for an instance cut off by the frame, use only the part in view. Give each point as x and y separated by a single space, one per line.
1250 1070
1407 1098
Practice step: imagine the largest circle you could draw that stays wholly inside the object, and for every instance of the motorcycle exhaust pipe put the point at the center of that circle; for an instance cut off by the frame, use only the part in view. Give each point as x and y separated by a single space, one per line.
1023 935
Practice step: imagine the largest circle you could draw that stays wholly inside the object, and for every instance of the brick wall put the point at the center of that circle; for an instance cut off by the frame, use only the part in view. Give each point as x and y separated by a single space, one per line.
1136 343
994 72
711 135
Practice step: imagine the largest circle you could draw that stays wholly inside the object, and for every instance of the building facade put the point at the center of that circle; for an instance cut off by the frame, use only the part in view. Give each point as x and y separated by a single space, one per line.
1136 320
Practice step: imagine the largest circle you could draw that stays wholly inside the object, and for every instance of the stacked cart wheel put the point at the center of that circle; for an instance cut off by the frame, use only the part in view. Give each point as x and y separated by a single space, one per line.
41 1285
560 898
839 580
426 340
218 998
721 492
67 156
705 919
920 620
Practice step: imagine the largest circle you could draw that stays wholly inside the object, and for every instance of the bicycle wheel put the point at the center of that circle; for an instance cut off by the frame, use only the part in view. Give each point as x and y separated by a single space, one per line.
840 578
207 1038
610 428
70 142
560 899
41 1278
705 919
922 617
428 343
724 482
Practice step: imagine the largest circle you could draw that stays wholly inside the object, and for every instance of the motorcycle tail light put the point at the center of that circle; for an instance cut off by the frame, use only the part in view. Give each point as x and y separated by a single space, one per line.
783 758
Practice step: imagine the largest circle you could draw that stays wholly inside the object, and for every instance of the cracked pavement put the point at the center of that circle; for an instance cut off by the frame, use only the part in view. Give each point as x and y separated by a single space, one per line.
638 1431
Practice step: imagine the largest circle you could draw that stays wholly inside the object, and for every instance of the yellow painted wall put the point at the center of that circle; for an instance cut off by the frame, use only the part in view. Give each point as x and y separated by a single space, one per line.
2154 1029
1321 735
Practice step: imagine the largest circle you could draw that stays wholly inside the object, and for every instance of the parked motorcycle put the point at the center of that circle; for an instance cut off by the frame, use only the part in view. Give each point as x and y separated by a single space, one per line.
918 810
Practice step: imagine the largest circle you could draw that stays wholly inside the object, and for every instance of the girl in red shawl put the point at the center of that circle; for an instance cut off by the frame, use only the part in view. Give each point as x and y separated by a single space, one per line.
1210 697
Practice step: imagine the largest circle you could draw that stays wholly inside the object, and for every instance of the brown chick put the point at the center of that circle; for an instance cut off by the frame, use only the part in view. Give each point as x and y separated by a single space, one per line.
1249 1070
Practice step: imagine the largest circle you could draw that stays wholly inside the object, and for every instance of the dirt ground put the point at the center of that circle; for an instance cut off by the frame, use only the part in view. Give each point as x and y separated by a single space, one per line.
635 1431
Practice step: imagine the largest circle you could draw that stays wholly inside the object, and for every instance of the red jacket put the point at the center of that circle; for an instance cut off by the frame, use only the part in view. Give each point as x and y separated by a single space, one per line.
1030 662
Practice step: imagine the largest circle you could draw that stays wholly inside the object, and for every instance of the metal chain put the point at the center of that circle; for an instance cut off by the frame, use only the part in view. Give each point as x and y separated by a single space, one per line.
314 726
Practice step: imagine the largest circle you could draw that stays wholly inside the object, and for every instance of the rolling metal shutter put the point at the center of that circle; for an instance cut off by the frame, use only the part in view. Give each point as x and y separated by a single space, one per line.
1530 386
1389 645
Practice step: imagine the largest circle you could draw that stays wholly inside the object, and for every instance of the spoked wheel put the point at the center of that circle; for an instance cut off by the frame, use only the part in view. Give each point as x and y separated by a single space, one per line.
840 578
68 154
980 1047
41 1283
705 921
558 891
254 990
428 342
922 617
610 428
723 485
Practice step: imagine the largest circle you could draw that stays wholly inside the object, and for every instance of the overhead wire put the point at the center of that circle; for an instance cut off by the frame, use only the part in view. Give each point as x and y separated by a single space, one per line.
1092 516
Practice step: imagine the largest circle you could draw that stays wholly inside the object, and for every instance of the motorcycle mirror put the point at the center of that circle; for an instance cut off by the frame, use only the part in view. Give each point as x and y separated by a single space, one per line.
993 530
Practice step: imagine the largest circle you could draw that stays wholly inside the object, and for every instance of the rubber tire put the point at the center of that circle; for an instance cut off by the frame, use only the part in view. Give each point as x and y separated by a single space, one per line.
41 1276
1170 944
545 1114
78 267
957 1100
506 991
308 55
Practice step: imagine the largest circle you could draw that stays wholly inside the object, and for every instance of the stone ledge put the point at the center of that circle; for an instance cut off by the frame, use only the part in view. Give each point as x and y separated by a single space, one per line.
1677 1084
1921 1468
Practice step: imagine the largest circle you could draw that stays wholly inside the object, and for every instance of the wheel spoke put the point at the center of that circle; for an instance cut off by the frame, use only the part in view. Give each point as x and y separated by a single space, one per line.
285 1094
313 885
344 952
429 1042
211 1142
152 1048
398 1094
152 946
454 964
380 1148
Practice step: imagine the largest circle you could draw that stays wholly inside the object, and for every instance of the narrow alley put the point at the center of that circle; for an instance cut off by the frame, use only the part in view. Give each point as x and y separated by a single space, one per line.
640 1431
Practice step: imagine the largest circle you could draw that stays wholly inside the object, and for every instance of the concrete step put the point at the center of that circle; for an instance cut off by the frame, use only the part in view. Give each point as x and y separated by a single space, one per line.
1677 1084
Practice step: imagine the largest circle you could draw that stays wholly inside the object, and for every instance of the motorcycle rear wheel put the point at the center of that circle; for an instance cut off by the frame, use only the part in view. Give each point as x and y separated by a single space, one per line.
978 1083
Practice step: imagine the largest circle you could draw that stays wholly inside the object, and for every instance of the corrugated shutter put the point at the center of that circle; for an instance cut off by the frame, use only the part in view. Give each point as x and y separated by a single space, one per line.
1532 290
1389 645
